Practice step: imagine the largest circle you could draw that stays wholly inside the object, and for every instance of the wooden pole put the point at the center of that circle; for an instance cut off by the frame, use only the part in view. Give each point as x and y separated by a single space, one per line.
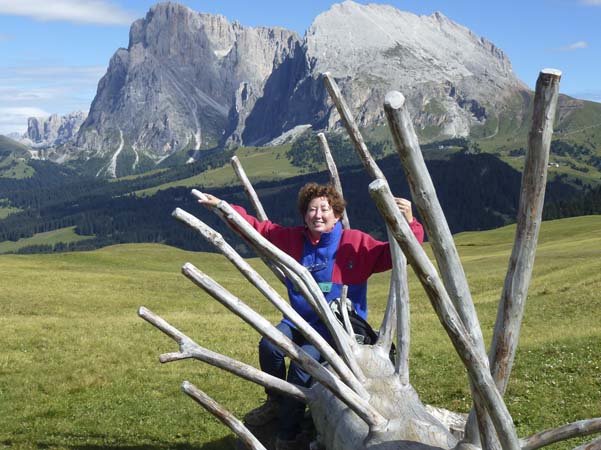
562 433
532 196
351 127
443 245
334 176
475 363
226 417
248 188
399 271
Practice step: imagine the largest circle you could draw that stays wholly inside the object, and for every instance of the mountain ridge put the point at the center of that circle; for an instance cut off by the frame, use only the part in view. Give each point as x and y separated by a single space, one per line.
191 83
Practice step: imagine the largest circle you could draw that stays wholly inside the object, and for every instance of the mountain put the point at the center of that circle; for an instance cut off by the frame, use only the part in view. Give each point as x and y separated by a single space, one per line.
190 82
183 83
193 81
45 132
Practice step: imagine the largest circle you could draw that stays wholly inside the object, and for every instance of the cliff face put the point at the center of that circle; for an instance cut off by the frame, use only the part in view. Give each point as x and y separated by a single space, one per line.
185 79
451 78
195 81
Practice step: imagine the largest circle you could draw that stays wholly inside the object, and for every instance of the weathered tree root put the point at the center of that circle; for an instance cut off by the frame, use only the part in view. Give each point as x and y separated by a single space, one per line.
360 400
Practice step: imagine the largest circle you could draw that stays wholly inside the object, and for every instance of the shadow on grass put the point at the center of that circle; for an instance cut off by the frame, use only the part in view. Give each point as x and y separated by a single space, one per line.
226 443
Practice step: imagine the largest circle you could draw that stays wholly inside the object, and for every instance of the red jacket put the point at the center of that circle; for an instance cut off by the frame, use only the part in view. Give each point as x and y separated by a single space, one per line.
341 257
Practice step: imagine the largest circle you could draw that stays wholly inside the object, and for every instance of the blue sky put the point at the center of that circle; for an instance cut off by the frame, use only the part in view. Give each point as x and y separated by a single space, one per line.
53 53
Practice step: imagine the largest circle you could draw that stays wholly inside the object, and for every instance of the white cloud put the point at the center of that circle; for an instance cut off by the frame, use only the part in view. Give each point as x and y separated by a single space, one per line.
50 73
592 95
591 2
41 91
14 119
78 11
572 47
5 37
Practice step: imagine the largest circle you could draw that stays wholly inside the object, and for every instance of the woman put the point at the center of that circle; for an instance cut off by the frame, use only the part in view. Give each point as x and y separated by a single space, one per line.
335 257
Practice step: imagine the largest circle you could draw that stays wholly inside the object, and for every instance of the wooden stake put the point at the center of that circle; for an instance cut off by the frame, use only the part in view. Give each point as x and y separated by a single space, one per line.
562 433
248 188
532 196
441 240
466 348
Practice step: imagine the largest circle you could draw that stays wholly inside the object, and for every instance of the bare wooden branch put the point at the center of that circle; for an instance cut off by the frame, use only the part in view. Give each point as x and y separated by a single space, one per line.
299 276
399 285
351 127
443 246
190 349
396 316
475 363
359 405
334 177
521 262
562 433
226 417
254 199
374 171
248 188
271 294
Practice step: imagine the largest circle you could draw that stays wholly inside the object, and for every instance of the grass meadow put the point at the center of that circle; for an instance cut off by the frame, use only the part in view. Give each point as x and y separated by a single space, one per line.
60 235
80 370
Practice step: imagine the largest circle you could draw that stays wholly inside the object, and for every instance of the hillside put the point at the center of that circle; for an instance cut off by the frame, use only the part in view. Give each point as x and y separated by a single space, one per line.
83 368
13 159
476 191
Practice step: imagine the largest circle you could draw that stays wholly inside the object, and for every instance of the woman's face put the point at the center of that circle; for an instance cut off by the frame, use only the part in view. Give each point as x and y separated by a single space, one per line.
320 217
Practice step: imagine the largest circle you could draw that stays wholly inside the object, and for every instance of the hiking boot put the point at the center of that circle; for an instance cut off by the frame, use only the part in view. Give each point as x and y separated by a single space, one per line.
264 414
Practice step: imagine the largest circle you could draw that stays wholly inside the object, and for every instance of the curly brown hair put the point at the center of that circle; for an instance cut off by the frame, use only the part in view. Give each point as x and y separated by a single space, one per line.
313 190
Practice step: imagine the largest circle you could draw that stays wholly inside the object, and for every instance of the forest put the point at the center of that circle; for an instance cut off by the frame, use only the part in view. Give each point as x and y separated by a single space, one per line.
477 192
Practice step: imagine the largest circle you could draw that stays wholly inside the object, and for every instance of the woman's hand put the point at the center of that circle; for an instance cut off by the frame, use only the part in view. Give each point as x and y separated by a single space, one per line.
205 199
405 207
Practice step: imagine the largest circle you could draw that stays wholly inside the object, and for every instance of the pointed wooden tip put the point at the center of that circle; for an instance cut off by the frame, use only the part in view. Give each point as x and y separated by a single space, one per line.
199 195
187 268
377 184
394 100
552 72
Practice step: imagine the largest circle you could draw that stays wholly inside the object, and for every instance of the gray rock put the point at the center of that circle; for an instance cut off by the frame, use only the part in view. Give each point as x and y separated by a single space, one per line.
45 132
185 80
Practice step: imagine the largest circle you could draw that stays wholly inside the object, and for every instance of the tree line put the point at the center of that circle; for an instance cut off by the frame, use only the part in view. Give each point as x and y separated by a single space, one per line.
476 191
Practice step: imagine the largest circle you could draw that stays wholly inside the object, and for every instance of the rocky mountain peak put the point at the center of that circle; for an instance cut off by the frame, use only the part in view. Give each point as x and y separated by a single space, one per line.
52 131
174 87
190 81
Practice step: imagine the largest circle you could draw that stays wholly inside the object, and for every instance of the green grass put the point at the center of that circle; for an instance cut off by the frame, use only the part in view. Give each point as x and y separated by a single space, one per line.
259 163
79 369
6 211
17 169
64 235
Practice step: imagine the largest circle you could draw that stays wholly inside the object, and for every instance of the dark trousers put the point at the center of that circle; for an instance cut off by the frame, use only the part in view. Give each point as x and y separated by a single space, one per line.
271 359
